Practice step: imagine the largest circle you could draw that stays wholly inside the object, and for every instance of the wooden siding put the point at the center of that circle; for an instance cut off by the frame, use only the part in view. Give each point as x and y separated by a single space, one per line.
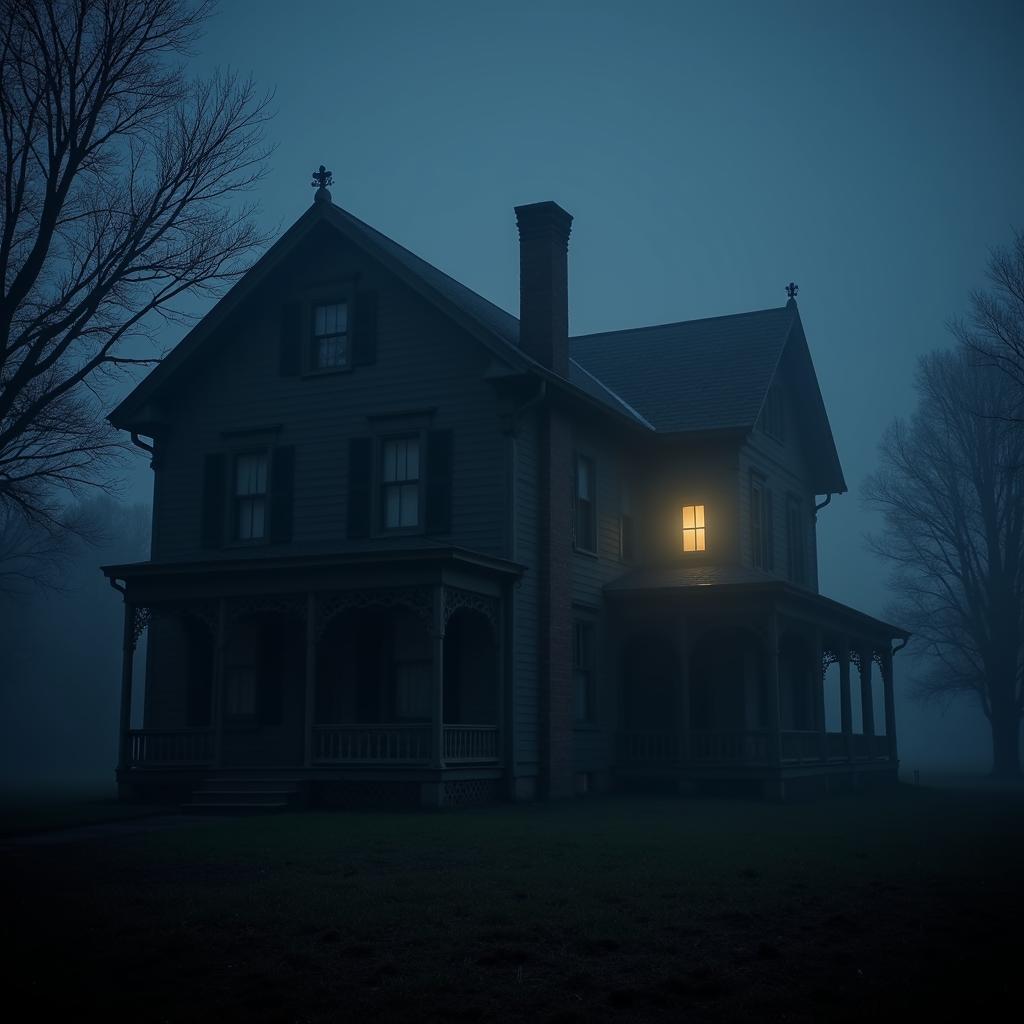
784 467
424 362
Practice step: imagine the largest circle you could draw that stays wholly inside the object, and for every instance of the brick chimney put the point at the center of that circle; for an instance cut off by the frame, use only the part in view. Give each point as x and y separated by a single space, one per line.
544 284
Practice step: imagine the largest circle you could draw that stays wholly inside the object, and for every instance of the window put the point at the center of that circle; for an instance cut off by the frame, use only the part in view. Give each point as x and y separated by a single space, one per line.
627 549
583 670
329 348
586 508
762 537
400 483
773 415
693 528
250 496
794 540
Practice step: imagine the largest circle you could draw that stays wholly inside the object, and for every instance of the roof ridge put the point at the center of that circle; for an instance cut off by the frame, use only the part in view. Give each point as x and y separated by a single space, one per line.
678 323
454 280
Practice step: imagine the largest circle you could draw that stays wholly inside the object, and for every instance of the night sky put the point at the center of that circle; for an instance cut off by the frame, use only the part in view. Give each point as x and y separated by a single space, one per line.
709 154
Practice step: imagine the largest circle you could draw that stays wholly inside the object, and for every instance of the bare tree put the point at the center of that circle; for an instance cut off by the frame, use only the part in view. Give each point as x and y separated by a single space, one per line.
951 489
994 330
122 185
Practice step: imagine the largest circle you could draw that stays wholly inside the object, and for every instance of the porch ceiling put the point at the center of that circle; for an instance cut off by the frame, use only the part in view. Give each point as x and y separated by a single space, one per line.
696 585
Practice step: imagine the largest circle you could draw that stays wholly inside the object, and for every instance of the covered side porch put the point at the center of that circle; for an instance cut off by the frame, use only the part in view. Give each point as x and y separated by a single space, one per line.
726 686
378 677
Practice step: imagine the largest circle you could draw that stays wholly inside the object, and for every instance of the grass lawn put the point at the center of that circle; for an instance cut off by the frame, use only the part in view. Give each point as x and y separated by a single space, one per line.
850 908
22 812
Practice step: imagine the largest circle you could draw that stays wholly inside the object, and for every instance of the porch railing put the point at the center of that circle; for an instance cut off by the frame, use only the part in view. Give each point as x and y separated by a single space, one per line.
880 746
750 747
398 743
470 743
152 748
648 748
835 746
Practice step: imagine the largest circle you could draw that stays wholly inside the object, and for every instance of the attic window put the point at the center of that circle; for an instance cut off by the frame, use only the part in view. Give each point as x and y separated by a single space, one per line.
693 528
329 348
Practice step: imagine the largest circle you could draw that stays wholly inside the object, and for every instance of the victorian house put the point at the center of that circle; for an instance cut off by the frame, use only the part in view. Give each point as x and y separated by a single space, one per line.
408 547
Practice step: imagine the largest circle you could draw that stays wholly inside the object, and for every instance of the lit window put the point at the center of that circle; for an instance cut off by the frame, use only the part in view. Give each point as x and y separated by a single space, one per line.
400 482
330 337
693 527
251 496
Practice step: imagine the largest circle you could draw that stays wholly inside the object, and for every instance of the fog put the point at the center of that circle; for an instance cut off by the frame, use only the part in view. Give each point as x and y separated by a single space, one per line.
709 154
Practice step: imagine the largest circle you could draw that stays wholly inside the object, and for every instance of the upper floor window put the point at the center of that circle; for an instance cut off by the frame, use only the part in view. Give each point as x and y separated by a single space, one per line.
794 540
586 506
250 496
693 528
330 349
773 415
583 669
400 482
762 537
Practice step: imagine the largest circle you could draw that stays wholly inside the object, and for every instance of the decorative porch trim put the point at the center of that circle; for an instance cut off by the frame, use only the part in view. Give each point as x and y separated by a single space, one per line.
419 600
455 599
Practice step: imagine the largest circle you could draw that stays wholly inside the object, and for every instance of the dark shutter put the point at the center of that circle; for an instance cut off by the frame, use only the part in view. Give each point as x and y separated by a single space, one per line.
291 340
364 329
213 501
282 490
360 476
439 481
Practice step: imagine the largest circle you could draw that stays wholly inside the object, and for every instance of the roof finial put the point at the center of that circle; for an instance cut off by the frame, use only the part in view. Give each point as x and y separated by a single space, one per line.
791 288
321 179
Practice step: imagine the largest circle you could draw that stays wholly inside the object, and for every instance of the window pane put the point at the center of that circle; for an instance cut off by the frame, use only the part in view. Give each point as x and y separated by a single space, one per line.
390 468
251 474
410 514
688 523
583 478
689 540
700 538
699 515
412 459
392 506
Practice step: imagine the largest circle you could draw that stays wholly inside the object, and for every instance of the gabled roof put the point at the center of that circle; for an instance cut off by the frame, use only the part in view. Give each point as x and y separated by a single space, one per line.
699 375
696 375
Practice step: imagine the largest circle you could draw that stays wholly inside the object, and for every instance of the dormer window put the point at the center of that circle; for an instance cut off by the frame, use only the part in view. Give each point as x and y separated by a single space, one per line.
693 528
329 349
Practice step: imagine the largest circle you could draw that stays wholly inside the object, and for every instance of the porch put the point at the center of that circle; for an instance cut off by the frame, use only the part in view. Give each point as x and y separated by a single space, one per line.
394 680
751 684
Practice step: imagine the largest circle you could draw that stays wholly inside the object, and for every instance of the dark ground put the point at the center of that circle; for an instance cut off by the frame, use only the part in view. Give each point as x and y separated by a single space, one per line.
905 904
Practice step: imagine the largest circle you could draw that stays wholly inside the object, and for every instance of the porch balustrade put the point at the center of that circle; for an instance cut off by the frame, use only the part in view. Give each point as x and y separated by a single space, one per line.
747 747
649 748
151 748
835 746
470 743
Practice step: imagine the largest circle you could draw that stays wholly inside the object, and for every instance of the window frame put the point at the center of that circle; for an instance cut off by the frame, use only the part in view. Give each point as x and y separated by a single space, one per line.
234 539
588 667
313 339
696 530
341 294
578 459
380 510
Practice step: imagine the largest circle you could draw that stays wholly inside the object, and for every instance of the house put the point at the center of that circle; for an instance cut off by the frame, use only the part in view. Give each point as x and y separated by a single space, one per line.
407 547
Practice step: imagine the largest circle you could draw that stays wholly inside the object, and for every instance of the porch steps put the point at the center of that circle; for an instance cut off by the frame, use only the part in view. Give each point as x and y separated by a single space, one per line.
243 796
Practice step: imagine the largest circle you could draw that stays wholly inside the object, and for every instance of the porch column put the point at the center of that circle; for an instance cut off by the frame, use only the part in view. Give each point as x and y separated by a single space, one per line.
846 709
818 692
310 677
218 681
437 678
127 672
772 686
867 704
890 704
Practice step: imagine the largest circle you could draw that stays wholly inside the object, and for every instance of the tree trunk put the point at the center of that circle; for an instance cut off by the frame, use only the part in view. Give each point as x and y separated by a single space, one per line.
1005 741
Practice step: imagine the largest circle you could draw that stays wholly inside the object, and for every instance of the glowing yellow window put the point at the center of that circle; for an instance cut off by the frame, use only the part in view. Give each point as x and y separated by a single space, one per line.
693 527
